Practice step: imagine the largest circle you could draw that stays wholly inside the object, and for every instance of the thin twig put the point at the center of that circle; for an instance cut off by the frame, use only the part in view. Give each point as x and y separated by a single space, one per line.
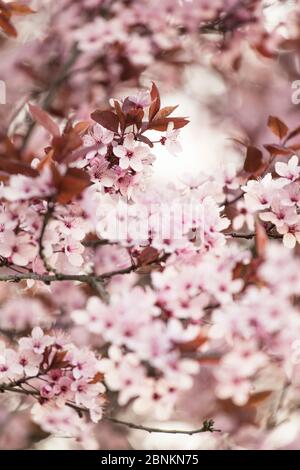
250 236
207 426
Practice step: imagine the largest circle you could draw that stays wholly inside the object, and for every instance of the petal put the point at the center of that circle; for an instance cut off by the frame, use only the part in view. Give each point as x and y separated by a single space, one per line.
124 163
293 162
136 164
75 259
289 240
19 260
119 151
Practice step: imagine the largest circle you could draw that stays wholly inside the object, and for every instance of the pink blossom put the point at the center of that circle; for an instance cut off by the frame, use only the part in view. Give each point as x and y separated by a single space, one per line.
21 249
37 342
290 170
29 362
141 100
131 154
170 140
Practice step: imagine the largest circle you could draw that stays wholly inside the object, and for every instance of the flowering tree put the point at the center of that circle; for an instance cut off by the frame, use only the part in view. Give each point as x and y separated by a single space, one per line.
123 301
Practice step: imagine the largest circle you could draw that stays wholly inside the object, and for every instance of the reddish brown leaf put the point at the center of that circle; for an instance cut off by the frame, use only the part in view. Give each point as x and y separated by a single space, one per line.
275 150
209 359
147 256
120 115
81 127
162 124
293 133
64 145
135 116
15 167
295 147
58 360
72 184
253 159
97 378
107 119
193 345
277 126
165 112
44 119
7 26
144 139
155 105
259 397
20 8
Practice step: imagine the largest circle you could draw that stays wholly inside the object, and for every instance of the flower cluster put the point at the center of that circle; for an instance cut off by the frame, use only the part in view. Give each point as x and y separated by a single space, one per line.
56 374
277 200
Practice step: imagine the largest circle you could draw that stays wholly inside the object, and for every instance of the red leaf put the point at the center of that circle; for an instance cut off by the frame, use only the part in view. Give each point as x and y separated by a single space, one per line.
43 118
253 159
144 139
15 167
147 256
20 8
65 144
107 119
120 115
194 344
274 149
7 26
99 377
135 116
259 397
277 126
72 184
293 133
155 105
164 112
162 124
81 127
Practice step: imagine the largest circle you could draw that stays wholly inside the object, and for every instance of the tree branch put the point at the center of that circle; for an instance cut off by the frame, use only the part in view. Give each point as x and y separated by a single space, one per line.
49 278
250 236
207 426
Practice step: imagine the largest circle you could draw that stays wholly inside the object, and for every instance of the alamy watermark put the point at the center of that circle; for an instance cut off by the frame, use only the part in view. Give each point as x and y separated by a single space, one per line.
165 222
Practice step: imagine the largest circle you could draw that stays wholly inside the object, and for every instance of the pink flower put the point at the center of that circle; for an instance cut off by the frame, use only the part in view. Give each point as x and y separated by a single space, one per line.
291 234
47 391
100 137
73 249
72 226
141 100
289 171
157 397
9 367
131 154
20 249
123 373
37 342
84 364
29 362
170 140
259 194
280 214
244 216
232 385
86 393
